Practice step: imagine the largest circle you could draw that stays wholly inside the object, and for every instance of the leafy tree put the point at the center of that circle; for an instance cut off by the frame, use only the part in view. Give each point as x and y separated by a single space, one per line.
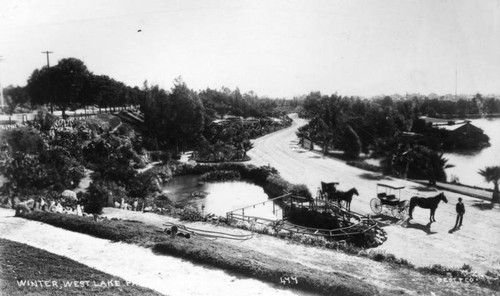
144 185
175 119
351 143
53 169
492 174
15 96
418 162
63 85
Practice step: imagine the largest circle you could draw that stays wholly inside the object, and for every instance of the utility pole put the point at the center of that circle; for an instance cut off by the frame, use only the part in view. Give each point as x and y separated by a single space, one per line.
48 66
47 53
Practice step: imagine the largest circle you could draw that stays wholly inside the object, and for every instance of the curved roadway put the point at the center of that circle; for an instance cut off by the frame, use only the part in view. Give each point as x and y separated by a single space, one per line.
421 243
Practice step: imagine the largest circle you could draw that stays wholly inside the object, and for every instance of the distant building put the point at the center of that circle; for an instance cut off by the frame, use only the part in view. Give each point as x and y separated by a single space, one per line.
465 136
465 130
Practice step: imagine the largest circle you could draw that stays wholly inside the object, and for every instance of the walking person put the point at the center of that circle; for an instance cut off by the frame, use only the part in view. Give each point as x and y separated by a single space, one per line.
460 213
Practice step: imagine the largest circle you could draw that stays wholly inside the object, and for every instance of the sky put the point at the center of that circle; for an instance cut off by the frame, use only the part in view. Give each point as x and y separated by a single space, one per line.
276 48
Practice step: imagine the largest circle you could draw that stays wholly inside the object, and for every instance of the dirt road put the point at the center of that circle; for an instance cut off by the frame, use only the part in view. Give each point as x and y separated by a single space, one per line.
475 244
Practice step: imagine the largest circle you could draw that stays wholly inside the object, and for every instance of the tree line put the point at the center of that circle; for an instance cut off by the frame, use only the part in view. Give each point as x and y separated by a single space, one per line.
385 128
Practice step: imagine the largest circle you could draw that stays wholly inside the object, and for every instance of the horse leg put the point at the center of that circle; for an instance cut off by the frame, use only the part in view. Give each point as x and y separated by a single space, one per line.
432 219
412 206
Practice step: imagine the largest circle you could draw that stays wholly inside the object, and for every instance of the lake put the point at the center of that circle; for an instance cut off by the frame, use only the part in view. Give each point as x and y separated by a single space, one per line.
222 196
468 163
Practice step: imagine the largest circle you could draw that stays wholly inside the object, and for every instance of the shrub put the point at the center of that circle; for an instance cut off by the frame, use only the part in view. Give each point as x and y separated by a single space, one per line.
23 139
160 155
301 190
190 213
306 217
260 174
276 186
53 169
100 194
466 267
365 166
220 176
144 185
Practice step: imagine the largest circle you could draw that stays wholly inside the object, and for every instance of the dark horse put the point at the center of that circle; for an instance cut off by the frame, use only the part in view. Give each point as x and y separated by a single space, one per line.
345 196
427 203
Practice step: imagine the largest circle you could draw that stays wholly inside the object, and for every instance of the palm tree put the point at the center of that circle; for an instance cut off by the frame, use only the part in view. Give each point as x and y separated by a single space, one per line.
492 174
246 145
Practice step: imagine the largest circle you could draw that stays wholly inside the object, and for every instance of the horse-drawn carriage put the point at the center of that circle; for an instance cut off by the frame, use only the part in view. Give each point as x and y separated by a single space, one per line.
386 197
328 191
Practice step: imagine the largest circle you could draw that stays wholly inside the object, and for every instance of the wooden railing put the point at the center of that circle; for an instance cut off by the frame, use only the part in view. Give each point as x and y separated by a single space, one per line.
362 224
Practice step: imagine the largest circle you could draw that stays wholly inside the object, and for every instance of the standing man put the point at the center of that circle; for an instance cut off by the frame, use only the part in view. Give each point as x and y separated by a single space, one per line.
460 213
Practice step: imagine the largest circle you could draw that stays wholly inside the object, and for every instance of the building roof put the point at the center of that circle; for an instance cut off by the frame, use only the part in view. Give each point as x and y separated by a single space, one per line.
461 125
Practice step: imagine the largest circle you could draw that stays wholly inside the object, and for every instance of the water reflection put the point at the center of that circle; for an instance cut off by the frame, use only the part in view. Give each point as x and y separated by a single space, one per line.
468 163
222 196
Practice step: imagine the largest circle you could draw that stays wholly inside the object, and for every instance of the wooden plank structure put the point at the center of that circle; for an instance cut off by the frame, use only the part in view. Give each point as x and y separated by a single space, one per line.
358 223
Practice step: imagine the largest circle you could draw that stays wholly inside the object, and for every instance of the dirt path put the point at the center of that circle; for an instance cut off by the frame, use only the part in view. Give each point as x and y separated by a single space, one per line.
476 243
167 275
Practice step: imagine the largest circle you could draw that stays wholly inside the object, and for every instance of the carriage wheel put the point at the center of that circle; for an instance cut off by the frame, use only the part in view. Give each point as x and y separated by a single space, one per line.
398 212
406 209
376 205
401 211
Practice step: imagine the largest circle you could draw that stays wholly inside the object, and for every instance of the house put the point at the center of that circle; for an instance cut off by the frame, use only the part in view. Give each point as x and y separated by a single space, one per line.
465 130
465 136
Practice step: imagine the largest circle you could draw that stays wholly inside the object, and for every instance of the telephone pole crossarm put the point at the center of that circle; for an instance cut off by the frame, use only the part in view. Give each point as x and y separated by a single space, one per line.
47 53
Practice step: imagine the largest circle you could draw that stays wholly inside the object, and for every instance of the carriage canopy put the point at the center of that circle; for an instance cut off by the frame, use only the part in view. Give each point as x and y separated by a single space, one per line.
383 189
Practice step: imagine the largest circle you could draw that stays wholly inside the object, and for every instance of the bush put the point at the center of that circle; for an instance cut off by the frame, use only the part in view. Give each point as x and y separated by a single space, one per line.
220 176
365 166
308 218
53 169
100 194
277 186
144 185
160 155
23 139
190 213
301 190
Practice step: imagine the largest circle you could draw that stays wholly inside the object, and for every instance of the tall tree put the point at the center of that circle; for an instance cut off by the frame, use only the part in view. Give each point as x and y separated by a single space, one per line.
175 119
63 85
351 143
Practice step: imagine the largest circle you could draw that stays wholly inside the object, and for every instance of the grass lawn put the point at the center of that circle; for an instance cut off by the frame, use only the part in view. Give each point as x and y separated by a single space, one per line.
200 250
25 270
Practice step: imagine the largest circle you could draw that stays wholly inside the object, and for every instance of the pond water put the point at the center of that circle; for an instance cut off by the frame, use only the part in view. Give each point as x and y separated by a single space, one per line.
468 163
222 196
